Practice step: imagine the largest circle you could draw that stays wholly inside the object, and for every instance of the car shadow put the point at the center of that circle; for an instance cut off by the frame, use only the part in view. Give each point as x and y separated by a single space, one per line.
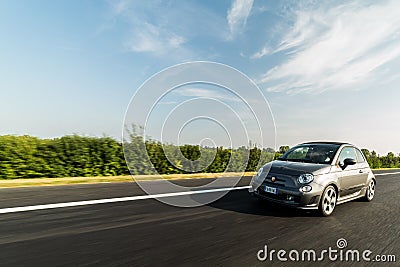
241 201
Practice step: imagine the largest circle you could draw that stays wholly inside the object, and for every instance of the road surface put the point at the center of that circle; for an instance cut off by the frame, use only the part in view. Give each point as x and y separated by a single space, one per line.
230 231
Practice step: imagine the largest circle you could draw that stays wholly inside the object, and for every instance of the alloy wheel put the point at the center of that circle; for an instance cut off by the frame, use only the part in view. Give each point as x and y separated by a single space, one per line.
328 203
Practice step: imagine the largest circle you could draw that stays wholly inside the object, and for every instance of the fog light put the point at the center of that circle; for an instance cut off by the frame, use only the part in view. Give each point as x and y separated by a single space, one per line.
306 188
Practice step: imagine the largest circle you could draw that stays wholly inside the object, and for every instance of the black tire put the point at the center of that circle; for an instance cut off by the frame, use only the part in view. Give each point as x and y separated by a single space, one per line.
328 201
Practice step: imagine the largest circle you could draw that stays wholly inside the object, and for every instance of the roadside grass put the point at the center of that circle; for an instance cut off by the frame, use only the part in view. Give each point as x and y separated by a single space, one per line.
112 179
119 179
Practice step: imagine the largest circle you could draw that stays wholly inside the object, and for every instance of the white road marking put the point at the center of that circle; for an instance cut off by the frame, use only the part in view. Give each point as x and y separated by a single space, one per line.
388 173
113 200
124 199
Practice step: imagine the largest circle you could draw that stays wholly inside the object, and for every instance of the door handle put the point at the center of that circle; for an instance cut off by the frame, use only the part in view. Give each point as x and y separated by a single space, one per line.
361 171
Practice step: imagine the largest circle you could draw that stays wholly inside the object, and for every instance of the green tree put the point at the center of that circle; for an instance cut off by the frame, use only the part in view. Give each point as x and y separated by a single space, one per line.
283 149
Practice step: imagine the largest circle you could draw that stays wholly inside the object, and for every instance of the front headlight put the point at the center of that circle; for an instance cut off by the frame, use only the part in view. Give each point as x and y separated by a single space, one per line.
305 178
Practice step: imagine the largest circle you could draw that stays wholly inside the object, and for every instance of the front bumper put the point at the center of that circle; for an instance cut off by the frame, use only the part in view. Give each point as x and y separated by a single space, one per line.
291 197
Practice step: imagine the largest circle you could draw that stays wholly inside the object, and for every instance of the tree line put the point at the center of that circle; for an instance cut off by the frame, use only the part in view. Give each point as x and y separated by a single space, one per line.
68 156
75 156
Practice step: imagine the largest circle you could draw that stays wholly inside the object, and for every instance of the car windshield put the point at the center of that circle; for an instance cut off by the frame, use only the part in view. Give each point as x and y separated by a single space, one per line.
311 153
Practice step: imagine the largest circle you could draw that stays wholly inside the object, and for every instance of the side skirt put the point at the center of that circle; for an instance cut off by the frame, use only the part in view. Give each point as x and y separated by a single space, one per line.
351 197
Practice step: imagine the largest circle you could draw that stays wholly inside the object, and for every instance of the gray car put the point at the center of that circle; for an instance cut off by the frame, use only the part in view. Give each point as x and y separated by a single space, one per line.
316 175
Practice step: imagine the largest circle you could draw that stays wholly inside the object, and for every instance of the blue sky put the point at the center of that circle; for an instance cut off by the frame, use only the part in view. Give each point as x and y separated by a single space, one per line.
330 70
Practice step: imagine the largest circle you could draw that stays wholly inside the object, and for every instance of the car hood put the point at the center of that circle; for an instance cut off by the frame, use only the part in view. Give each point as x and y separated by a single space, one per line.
298 168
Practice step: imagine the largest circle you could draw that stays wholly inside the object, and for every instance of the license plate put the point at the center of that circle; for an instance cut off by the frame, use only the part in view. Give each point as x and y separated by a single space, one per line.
271 190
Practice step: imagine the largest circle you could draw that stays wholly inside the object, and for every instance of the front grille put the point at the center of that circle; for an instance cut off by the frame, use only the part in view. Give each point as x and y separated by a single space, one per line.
281 180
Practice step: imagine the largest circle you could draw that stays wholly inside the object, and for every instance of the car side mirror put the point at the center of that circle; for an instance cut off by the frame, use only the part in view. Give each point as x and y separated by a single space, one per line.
348 162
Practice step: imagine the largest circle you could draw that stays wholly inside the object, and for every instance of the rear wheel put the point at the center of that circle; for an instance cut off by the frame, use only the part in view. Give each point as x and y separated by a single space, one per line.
370 193
328 201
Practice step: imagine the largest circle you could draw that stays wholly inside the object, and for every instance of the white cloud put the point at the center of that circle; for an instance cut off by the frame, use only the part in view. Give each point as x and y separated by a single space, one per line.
166 29
120 6
238 14
262 53
336 47
176 41
151 38
149 31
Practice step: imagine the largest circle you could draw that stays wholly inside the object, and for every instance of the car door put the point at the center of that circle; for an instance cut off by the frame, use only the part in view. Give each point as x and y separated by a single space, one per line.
363 169
350 177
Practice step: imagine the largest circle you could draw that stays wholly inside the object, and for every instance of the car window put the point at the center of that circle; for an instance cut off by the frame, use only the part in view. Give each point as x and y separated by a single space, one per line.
298 153
360 156
347 153
311 153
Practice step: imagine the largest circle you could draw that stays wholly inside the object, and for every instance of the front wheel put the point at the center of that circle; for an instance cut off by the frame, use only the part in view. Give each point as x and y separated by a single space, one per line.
370 193
328 201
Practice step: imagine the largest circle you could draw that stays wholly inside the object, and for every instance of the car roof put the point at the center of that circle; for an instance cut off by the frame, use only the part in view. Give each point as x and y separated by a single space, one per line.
327 143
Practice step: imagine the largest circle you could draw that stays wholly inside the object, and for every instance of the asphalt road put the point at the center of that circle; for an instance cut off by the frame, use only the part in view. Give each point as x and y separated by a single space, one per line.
228 232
